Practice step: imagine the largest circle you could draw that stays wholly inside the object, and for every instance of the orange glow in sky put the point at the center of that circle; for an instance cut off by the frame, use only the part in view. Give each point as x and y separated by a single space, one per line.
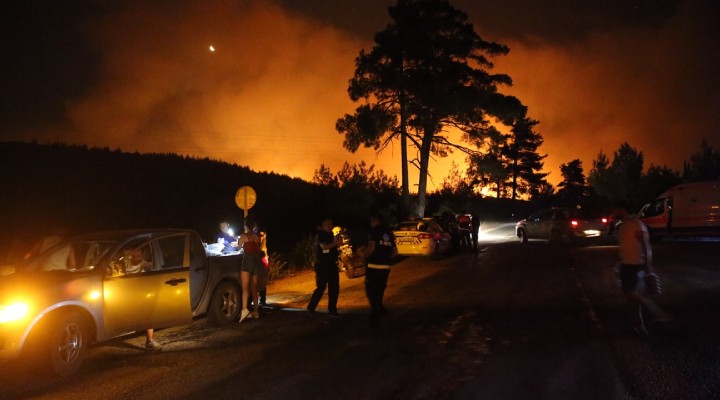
269 100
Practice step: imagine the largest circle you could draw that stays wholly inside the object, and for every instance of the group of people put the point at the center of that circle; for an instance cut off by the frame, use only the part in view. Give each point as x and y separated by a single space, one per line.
379 255
635 255
254 265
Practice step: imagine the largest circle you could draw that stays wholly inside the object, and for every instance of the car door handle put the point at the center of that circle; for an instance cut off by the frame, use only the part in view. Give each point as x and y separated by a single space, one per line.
176 281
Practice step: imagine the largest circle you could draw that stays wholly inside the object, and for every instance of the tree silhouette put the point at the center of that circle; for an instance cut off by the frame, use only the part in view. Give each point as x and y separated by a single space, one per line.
489 169
323 176
572 189
621 178
524 162
704 165
456 183
428 72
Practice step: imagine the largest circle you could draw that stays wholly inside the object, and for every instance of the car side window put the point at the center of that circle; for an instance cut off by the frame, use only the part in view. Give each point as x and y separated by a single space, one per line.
172 252
135 257
197 254
655 208
61 258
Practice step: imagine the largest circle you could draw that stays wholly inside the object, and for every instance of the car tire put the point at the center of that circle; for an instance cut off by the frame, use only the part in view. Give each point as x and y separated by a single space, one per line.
225 304
522 235
66 343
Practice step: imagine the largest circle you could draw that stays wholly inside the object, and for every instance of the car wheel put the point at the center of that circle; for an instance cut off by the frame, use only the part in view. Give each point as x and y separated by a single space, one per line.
225 304
66 343
522 235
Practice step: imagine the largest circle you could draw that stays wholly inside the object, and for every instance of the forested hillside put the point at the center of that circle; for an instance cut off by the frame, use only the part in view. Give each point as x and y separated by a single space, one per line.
83 189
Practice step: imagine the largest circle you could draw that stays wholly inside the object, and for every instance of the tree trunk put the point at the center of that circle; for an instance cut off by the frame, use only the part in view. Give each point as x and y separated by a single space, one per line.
404 160
428 134
514 179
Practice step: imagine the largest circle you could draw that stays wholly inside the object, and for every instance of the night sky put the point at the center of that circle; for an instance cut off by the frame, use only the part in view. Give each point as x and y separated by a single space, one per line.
139 76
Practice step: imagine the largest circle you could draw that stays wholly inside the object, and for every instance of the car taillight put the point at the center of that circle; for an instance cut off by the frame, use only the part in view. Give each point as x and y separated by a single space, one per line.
425 236
604 220
437 236
574 223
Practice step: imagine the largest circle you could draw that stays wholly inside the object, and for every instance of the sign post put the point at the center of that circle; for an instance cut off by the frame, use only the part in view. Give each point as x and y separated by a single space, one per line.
245 198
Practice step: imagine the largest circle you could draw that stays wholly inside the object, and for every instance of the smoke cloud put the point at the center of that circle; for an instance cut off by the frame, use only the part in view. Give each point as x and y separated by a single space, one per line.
269 95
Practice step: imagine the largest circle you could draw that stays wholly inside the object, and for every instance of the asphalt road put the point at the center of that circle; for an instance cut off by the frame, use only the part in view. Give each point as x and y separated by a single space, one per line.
510 322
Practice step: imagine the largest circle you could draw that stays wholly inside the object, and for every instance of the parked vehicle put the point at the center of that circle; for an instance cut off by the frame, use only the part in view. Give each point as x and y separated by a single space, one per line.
688 209
422 237
561 225
81 291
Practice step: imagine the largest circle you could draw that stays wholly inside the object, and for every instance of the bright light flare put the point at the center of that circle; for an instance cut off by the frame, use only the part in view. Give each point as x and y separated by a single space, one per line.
212 48
13 312
497 232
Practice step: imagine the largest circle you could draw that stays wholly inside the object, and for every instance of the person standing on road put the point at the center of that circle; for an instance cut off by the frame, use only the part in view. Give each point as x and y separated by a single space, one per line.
635 256
250 243
380 252
263 272
326 270
475 221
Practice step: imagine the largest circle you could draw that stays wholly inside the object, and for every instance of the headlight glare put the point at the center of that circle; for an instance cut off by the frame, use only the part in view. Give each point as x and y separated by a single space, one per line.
13 312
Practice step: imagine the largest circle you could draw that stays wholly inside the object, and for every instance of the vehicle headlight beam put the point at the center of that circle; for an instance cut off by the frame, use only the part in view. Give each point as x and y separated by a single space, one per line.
13 312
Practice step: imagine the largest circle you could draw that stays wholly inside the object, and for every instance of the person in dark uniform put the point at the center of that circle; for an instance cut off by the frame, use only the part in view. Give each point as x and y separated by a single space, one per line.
326 270
380 252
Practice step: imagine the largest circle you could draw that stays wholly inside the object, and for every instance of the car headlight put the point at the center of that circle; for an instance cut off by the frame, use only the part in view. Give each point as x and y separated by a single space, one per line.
13 312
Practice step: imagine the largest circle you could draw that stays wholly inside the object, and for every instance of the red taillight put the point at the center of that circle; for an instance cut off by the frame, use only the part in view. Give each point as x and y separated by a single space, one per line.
425 236
574 223
604 220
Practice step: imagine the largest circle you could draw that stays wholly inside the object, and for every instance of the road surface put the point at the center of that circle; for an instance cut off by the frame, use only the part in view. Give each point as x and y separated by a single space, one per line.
510 322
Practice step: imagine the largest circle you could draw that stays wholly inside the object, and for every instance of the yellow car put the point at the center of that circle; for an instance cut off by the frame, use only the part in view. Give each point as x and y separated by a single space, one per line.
422 237
98 286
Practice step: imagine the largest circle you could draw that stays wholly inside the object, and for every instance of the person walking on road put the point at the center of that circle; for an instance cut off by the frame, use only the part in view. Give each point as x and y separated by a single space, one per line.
326 270
380 252
635 256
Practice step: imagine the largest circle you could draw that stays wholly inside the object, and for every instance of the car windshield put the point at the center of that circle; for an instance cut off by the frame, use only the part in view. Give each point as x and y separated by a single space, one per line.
71 256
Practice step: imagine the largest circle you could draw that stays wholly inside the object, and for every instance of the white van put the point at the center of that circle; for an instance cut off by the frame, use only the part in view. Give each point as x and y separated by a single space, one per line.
688 209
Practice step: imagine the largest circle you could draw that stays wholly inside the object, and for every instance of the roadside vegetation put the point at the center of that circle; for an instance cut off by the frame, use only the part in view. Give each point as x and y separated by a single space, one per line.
80 189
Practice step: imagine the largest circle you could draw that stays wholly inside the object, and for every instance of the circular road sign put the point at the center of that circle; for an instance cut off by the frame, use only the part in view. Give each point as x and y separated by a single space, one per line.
245 198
